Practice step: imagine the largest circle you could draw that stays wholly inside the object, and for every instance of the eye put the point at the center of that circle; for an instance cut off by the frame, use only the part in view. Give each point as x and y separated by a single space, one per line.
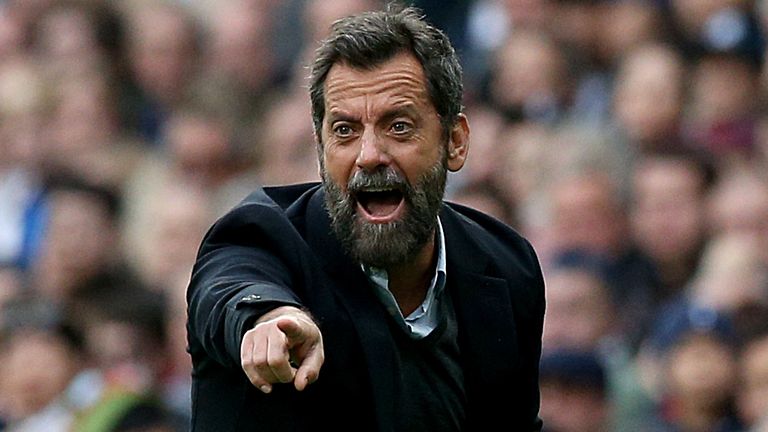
343 130
401 127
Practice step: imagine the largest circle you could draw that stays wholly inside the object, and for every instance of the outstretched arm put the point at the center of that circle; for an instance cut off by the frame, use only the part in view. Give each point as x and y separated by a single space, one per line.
249 264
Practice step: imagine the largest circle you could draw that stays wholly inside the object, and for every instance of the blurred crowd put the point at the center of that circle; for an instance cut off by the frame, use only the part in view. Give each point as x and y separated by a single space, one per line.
627 139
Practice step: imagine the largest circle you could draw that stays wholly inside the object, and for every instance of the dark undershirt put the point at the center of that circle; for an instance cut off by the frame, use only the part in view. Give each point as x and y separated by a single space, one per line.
432 395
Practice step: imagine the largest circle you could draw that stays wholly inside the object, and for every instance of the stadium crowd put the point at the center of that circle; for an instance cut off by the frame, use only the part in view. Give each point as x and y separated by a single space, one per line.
627 139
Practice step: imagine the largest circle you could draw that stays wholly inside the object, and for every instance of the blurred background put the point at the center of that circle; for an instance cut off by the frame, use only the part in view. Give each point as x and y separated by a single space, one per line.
627 139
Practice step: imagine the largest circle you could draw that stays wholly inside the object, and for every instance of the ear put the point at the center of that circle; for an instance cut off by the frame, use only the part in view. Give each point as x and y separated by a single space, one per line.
458 143
320 150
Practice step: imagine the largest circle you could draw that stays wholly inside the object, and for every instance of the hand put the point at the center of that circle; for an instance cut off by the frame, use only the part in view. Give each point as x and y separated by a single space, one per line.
282 336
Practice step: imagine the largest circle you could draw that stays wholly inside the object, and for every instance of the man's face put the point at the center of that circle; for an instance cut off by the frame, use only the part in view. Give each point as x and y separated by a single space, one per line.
384 160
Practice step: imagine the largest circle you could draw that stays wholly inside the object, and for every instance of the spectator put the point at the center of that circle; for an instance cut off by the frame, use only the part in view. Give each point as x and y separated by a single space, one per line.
490 145
199 152
40 358
485 197
697 362
81 238
668 216
739 204
319 15
200 148
238 47
285 155
163 226
588 215
76 38
753 398
573 392
649 96
84 132
716 26
723 109
23 110
581 312
582 317
122 325
239 70
523 153
175 384
626 26
48 384
529 79
162 44
731 274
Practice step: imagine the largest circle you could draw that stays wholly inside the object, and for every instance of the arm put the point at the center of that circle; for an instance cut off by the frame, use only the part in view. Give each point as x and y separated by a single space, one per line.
242 284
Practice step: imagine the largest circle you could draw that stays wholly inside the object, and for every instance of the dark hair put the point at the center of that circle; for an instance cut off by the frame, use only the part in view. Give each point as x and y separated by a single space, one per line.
26 312
117 295
574 369
107 23
65 181
369 39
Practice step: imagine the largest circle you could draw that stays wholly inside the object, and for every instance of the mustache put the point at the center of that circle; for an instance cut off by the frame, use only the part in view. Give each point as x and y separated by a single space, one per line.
380 178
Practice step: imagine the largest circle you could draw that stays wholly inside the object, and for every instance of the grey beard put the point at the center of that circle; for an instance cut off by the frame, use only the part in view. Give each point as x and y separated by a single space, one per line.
389 244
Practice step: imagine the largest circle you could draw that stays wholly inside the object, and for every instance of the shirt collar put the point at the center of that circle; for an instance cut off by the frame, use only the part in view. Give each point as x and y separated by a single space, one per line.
437 283
441 256
425 317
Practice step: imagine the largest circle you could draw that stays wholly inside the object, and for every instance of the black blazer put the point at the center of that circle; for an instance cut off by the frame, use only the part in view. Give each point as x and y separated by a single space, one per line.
276 247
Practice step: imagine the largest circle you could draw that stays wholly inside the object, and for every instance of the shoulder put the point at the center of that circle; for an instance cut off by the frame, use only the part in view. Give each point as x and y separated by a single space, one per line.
286 196
478 243
270 200
278 197
488 233
266 210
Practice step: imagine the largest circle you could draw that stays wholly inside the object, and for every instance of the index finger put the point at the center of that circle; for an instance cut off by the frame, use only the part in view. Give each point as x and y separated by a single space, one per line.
278 357
292 329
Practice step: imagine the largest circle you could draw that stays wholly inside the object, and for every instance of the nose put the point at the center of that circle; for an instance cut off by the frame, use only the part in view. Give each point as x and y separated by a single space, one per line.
372 153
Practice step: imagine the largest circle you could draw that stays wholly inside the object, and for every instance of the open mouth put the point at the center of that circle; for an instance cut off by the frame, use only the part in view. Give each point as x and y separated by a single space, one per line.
380 205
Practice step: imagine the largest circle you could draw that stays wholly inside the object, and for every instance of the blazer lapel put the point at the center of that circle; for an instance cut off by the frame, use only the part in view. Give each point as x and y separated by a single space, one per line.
351 289
487 333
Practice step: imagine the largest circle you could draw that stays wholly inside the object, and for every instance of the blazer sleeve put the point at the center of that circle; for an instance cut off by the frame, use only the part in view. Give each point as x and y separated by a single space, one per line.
242 271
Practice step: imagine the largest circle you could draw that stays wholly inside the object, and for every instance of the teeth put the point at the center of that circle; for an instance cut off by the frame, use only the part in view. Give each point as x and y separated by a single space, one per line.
378 190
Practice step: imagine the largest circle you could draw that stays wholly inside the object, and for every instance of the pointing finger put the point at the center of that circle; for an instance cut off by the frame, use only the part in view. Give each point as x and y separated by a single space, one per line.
278 357
292 329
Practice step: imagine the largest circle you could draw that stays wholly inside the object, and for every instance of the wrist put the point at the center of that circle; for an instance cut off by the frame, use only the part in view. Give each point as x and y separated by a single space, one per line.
283 311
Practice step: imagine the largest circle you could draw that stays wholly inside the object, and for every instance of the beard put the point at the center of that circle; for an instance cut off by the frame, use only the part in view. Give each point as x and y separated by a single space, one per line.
385 245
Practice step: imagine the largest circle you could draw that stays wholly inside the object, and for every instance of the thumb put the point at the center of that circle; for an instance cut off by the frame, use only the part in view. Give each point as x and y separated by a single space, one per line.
309 370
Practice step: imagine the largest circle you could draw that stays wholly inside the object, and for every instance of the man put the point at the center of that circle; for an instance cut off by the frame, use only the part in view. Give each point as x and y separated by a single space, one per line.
365 303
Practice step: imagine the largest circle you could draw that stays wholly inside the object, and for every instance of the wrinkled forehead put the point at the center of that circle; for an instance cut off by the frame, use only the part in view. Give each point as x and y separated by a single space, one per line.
402 75
398 81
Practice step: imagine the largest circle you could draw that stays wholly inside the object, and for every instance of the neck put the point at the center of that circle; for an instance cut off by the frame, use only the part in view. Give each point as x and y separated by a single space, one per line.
409 282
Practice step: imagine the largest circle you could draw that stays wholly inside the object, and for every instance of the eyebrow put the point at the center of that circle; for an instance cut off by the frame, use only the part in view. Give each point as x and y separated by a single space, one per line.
335 116
406 109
